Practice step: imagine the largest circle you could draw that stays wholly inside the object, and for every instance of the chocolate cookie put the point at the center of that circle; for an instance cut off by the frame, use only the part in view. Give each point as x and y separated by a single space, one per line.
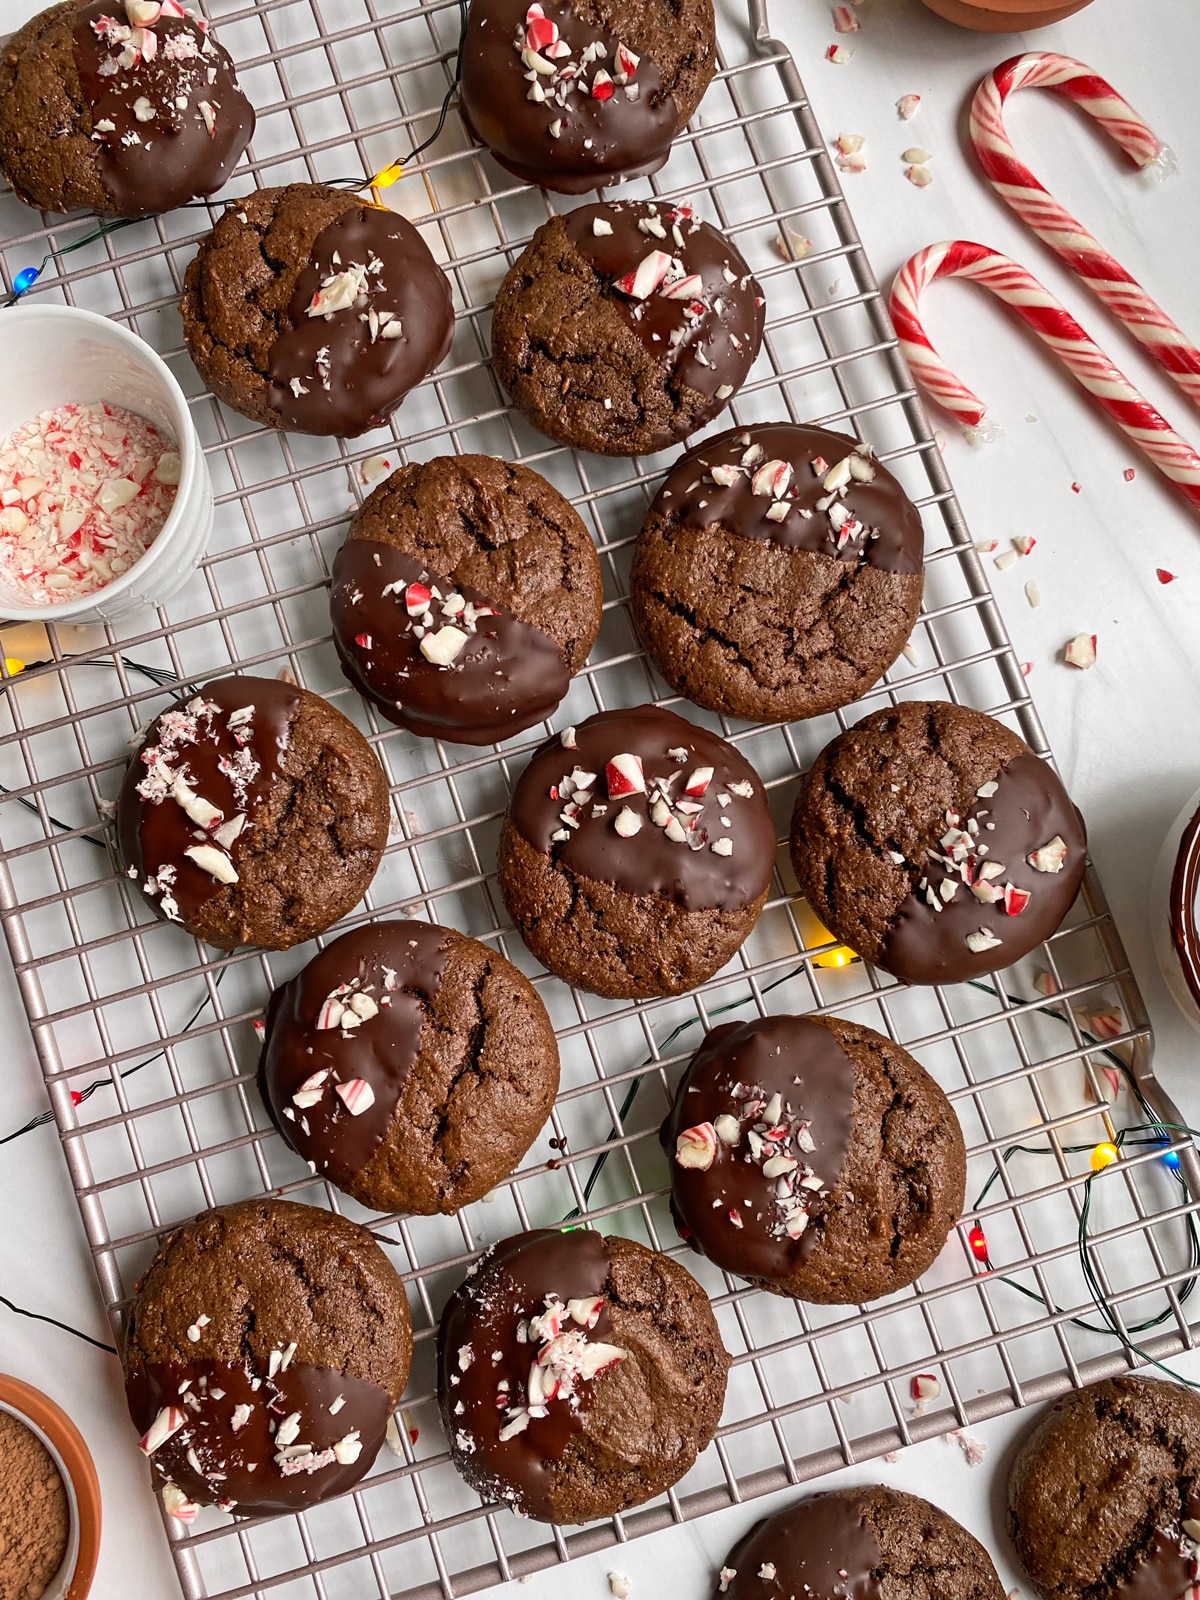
123 109
266 1348
411 1066
636 854
778 573
574 96
1104 1494
869 1543
307 309
623 328
935 843
578 1375
814 1157
253 813
466 595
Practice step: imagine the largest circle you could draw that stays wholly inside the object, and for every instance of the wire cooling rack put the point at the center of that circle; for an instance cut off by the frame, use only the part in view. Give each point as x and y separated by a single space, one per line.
343 86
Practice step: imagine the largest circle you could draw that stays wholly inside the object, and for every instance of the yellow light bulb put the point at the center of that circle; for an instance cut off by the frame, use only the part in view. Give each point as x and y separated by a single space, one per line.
1103 1156
841 956
12 666
387 176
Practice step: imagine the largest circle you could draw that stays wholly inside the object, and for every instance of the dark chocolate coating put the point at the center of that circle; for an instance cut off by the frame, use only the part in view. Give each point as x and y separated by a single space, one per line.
483 1315
398 966
363 379
1185 881
149 166
867 842
1101 1487
884 530
708 350
742 1064
868 1543
690 874
508 676
209 1460
154 834
821 1549
1029 808
599 140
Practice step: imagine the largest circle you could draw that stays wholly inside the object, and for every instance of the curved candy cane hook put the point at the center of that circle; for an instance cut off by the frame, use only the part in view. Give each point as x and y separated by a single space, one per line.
1056 328
1166 344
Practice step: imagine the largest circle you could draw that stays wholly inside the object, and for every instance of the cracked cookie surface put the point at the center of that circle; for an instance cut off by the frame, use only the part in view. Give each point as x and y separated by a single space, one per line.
625 326
814 1157
931 840
253 813
290 304
412 1066
869 1543
770 582
266 1347
634 1354
493 535
636 854
1101 1487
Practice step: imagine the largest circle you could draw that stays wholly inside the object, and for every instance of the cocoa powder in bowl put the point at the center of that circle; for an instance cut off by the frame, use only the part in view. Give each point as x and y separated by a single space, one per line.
34 1519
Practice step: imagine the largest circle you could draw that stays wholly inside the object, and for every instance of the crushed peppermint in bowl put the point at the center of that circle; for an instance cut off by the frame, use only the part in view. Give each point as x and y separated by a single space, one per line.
105 499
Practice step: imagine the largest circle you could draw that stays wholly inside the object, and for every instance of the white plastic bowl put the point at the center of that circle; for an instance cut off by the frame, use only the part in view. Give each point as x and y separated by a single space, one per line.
1173 905
55 355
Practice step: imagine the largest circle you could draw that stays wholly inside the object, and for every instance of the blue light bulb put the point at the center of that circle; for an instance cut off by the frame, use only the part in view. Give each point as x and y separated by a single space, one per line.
25 278
1171 1159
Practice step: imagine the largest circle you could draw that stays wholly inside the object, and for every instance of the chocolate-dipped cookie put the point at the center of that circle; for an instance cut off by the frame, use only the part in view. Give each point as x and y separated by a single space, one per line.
814 1157
636 854
868 1543
309 310
625 327
253 813
578 1375
778 573
466 595
934 842
123 109
573 96
411 1066
267 1345
1104 1493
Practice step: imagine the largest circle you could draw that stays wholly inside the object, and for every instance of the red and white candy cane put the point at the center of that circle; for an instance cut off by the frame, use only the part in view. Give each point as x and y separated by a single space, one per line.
1056 328
1168 345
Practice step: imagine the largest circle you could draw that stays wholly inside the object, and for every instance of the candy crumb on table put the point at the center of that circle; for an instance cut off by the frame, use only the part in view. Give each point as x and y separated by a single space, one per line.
84 493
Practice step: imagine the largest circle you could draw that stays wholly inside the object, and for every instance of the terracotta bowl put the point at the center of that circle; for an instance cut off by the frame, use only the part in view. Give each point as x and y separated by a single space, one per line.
1005 16
71 1456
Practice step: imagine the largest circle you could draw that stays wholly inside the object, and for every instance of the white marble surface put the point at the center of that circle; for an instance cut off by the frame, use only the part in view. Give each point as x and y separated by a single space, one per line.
1127 734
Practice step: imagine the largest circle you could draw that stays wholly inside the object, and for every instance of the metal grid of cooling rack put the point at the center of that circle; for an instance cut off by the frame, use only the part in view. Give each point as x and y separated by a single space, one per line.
166 1026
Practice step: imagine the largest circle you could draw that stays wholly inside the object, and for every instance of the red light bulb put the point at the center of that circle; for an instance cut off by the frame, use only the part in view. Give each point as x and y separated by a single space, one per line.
76 1097
977 1239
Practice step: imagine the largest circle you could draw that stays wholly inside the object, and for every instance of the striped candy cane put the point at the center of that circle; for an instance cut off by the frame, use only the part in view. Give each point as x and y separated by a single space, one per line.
1168 345
1056 328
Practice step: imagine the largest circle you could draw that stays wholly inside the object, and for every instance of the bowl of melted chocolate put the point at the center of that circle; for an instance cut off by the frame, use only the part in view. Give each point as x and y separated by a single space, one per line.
1175 910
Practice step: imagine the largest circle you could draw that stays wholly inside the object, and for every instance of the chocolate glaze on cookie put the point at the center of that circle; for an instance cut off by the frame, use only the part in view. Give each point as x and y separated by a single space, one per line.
154 153
758 1132
389 614
484 1400
187 804
226 1447
1001 901
681 288
787 484
694 828
821 1549
600 113
342 1037
335 366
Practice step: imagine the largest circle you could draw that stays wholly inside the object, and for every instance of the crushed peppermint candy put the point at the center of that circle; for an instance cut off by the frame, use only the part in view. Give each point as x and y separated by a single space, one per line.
442 624
564 82
1081 651
619 1585
84 493
563 1359
907 106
